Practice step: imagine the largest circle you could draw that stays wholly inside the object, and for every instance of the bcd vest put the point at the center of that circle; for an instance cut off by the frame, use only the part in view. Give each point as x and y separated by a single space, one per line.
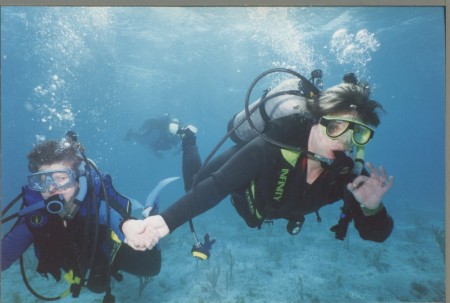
278 202
68 244
244 200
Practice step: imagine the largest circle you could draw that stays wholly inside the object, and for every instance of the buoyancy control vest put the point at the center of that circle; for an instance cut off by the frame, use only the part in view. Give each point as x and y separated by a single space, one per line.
256 209
59 243
274 199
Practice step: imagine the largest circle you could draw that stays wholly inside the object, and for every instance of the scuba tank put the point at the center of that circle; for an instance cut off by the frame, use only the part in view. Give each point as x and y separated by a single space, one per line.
287 98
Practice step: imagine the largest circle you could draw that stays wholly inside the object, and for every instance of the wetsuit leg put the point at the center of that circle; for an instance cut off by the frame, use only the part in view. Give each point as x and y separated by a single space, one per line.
192 163
218 162
191 160
141 263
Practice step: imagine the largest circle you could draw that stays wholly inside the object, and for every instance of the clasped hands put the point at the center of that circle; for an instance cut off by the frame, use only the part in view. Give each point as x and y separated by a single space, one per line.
144 234
369 191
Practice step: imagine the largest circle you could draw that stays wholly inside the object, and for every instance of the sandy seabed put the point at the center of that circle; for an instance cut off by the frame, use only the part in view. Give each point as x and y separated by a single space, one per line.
270 265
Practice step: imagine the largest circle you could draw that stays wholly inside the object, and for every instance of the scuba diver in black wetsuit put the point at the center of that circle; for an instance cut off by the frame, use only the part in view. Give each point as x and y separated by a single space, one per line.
158 135
268 182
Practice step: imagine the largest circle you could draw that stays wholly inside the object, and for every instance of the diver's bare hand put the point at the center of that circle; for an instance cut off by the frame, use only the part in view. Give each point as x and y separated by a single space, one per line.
156 229
369 191
157 222
138 236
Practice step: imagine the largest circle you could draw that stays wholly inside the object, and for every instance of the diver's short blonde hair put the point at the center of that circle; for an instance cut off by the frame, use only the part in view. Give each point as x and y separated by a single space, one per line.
344 98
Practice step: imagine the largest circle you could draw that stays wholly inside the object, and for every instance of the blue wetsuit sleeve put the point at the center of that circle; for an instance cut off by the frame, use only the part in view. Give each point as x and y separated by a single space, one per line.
15 243
115 220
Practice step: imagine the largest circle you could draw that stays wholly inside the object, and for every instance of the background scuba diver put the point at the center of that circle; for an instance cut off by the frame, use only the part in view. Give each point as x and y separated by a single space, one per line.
74 229
157 135
266 182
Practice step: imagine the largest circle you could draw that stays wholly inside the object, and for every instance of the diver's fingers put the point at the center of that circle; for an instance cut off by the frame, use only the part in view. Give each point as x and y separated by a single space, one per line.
372 170
136 245
158 224
384 175
134 231
133 227
388 183
357 183
152 237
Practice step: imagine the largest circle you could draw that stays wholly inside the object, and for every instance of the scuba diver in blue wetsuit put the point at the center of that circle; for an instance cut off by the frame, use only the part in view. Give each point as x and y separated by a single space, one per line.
291 165
158 135
72 215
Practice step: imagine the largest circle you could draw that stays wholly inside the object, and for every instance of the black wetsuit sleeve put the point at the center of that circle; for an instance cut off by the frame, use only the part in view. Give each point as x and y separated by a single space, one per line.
243 166
377 227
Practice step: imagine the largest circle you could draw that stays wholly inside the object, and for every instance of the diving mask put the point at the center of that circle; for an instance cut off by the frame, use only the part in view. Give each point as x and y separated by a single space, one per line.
60 179
337 126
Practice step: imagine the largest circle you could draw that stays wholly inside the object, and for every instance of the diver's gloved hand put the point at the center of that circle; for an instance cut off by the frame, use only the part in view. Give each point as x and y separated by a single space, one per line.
201 250
208 243
189 130
340 229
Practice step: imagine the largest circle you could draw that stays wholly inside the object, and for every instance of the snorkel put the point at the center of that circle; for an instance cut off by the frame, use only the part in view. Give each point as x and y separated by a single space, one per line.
359 160
82 181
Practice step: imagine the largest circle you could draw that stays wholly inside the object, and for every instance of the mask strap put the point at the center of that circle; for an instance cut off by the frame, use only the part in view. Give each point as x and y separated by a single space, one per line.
82 181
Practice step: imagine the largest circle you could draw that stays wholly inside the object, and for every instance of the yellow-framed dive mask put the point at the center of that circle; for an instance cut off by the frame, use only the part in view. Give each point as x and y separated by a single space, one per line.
337 126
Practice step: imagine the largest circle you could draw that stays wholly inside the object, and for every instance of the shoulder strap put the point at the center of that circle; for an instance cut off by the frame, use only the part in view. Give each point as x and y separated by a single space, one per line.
104 189
118 202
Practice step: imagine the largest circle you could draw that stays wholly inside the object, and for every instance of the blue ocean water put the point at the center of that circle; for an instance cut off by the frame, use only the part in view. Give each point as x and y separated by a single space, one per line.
103 70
